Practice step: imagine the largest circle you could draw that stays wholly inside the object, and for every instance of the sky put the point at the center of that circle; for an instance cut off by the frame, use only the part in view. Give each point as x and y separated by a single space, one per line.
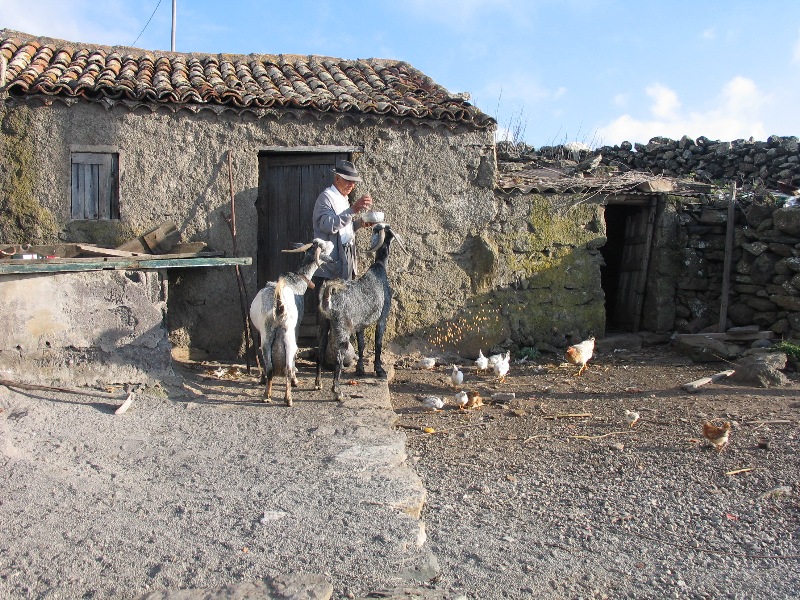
597 72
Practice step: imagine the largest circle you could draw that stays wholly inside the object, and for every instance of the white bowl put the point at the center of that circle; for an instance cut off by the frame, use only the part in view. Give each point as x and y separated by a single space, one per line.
372 217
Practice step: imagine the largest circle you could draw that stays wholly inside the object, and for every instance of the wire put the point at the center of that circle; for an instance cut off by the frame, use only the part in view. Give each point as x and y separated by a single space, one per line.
146 24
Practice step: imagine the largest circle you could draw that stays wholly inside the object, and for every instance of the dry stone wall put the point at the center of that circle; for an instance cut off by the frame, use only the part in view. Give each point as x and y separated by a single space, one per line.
749 163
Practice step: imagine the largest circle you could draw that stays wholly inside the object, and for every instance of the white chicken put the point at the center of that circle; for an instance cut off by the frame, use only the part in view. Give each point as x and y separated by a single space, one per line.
494 359
579 354
502 366
461 399
632 417
426 363
433 403
456 377
481 363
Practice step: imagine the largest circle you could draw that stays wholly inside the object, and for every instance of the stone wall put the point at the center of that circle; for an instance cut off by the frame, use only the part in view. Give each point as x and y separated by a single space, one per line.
749 163
88 328
765 271
434 182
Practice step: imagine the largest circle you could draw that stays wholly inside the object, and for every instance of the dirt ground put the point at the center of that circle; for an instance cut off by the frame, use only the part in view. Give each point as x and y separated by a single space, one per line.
553 494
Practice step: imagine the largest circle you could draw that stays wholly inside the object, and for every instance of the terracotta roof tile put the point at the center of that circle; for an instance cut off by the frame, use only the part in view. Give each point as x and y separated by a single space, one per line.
57 68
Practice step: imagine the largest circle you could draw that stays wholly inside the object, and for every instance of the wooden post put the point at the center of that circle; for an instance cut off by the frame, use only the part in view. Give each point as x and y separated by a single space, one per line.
726 273
242 290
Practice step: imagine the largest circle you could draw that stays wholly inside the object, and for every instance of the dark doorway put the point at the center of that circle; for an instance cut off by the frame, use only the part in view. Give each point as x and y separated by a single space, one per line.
288 185
626 254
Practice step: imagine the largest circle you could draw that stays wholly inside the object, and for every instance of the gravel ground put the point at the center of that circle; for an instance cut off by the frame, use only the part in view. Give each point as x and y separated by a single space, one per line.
550 495
528 500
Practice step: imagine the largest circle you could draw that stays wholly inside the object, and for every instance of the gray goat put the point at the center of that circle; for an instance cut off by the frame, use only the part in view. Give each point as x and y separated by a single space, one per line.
276 312
350 306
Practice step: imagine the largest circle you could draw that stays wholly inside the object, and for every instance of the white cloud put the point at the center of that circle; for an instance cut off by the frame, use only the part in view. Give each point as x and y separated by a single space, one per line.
665 102
709 34
737 112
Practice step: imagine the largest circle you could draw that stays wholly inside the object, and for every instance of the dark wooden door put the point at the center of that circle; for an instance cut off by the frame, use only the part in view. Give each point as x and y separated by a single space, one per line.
633 266
288 186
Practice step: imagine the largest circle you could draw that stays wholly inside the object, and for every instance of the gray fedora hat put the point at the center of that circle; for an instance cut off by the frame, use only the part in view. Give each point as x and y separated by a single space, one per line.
346 170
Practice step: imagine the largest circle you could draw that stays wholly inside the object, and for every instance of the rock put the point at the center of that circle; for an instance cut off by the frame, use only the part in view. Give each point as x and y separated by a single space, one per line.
707 349
761 369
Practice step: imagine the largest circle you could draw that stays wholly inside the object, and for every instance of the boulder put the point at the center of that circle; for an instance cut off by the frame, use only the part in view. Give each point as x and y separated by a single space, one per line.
706 349
760 368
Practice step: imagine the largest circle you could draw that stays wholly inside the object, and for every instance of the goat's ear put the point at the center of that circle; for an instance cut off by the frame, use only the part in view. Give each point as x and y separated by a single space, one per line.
299 248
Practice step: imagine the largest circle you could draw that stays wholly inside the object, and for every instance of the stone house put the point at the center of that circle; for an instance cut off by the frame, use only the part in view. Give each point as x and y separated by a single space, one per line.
154 133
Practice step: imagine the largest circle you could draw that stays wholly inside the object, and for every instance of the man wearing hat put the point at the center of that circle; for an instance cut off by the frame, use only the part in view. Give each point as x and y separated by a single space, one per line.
333 221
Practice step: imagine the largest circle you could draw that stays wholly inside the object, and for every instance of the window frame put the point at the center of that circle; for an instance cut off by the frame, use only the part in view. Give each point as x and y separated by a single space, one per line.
94 184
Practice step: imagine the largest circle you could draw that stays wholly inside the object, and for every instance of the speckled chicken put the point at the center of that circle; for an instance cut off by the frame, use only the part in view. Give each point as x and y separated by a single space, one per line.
579 354
716 435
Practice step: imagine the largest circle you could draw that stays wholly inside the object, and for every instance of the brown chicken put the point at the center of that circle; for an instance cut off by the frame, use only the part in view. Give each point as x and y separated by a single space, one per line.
718 436
579 354
474 400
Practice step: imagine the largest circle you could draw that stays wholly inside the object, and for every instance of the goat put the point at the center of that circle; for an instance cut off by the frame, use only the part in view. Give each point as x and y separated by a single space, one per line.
276 312
350 306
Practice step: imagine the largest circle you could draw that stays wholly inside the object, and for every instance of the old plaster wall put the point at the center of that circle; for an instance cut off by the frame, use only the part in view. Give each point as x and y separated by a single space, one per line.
433 183
527 273
86 328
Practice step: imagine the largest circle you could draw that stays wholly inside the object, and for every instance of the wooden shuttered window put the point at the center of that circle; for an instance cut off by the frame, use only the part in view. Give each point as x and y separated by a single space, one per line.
95 194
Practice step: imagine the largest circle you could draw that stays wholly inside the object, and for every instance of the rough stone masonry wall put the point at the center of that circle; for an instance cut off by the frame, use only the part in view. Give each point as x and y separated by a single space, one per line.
749 163
765 267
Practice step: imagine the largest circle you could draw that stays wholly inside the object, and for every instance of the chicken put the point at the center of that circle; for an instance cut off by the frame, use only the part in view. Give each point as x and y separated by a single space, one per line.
456 377
718 436
579 354
426 363
433 403
502 366
632 418
474 400
461 399
481 363
494 359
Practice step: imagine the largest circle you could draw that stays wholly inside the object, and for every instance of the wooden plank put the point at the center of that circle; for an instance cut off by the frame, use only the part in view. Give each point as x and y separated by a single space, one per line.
93 250
642 282
161 239
126 264
693 386
758 335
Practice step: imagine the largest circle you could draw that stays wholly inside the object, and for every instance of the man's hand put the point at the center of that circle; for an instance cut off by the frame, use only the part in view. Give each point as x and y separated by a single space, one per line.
363 203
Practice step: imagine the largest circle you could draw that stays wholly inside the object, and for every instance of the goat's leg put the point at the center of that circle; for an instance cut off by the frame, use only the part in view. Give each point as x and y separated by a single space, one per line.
380 329
322 345
290 348
360 341
259 352
269 367
337 375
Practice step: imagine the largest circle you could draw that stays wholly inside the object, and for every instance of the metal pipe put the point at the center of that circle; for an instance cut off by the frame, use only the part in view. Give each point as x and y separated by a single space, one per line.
174 18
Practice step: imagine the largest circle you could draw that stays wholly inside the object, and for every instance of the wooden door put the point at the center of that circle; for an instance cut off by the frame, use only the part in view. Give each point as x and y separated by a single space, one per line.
289 184
632 268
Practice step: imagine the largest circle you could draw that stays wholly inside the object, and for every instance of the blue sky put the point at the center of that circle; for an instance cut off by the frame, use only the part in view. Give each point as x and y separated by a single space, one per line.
550 71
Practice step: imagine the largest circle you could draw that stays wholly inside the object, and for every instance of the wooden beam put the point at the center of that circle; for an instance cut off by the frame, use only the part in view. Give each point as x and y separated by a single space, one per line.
126 264
726 269
733 337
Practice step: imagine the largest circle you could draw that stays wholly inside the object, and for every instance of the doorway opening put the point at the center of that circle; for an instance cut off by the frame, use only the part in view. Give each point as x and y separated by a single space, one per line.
626 254
289 181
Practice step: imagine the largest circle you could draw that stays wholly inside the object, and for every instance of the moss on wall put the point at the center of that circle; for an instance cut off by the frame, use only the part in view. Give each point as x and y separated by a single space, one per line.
22 218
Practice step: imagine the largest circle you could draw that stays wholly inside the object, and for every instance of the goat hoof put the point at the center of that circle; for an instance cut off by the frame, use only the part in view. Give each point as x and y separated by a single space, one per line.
288 402
295 383
360 371
266 400
381 373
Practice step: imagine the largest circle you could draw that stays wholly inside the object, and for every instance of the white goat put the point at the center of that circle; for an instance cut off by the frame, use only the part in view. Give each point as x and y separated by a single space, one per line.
276 312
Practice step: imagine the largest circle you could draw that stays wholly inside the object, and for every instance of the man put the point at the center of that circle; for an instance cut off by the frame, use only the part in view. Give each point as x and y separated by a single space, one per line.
334 221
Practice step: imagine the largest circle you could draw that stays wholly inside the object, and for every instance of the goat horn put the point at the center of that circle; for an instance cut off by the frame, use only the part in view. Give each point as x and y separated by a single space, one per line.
400 243
302 248
381 239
